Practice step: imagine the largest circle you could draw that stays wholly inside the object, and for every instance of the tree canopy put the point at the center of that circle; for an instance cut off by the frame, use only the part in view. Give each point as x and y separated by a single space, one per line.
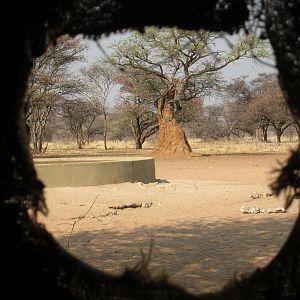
184 61
49 83
173 66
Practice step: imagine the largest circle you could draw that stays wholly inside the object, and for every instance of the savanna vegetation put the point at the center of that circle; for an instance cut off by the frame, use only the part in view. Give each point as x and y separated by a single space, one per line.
151 83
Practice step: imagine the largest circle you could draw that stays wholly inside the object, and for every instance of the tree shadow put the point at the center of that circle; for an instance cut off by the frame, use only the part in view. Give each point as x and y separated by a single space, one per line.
201 256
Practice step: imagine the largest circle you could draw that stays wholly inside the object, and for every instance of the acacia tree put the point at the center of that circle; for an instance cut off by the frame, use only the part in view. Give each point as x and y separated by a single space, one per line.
210 125
239 90
50 81
99 82
79 116
281 118
279 114
258 114
238 95
296 125
185 64
138 100
268 107
137 95
140 116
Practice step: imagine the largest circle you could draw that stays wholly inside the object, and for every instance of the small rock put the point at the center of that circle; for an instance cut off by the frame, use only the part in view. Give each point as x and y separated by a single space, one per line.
244 209
254 210
146 205
267 195
255 195
280 210
277 210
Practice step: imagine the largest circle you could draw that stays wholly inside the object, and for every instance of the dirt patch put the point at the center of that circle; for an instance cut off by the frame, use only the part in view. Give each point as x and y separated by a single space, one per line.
200 236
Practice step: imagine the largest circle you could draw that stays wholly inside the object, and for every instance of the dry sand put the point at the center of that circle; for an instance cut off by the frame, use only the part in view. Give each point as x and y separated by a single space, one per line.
200 237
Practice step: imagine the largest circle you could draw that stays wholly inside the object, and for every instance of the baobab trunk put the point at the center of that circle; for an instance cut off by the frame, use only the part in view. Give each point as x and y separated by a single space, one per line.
171 138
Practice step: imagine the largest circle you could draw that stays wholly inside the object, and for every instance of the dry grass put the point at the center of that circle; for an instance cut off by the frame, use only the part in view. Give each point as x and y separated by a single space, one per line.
68 148
199 147
240 146
111 145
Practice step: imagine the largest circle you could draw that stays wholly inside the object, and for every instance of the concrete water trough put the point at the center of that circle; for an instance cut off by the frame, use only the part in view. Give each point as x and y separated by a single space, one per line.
91 171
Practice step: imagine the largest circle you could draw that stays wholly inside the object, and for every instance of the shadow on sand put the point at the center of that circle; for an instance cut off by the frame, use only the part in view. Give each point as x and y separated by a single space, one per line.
201 256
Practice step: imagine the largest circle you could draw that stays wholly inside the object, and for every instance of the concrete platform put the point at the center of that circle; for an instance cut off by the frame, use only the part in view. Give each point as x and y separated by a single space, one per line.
91 171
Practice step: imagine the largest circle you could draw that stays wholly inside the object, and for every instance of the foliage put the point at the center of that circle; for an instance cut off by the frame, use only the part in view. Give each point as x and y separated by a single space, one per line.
136 105
185 61
170 67
248 108
268 107
99 82
79 116
50 81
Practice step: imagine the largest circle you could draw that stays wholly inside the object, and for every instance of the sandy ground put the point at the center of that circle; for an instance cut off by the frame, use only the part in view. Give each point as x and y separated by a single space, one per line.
192 215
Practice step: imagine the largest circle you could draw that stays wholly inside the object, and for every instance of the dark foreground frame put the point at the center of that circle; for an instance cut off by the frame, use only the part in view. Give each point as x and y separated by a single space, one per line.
34 265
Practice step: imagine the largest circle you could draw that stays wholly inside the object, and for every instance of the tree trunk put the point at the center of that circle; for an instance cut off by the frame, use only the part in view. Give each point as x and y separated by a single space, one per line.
40 145
265 136
79 143
137 138
171 138
278 135
297 128
105 132
138 143
37 141
105 140
265 133
136 132
258 134
34 142
79 139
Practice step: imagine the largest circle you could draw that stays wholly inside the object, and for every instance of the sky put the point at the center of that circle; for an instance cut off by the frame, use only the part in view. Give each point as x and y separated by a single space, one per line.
242 67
